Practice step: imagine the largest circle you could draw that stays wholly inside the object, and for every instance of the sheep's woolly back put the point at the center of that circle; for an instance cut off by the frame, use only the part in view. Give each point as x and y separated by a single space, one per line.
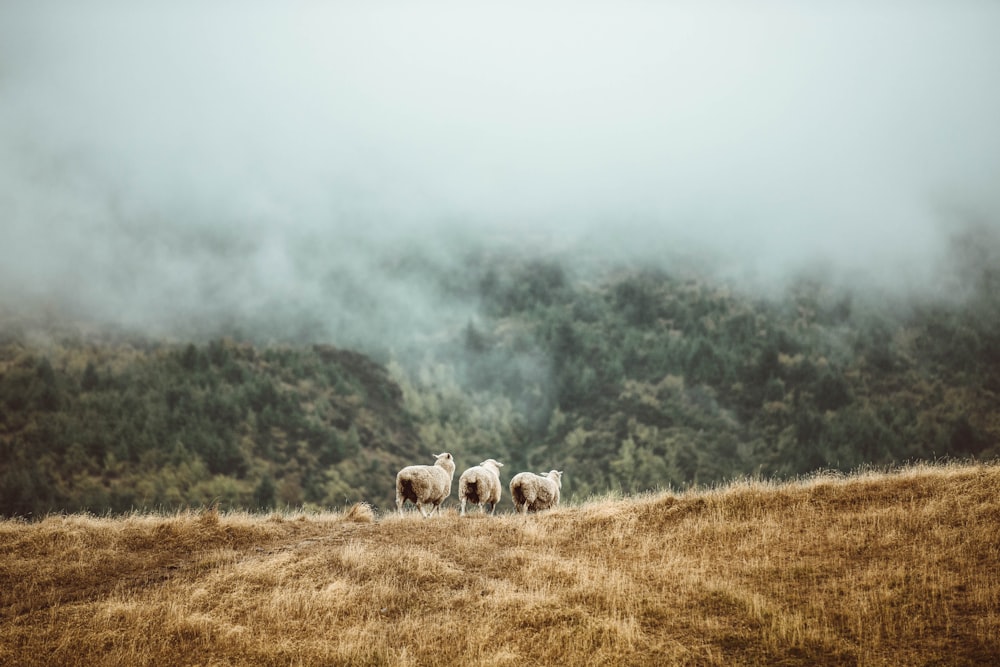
480 485
425 485
531 492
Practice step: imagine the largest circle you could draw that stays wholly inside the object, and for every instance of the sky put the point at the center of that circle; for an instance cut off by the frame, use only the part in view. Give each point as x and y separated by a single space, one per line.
190 161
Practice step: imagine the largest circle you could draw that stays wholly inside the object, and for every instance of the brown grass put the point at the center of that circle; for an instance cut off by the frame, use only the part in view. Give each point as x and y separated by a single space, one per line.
873 569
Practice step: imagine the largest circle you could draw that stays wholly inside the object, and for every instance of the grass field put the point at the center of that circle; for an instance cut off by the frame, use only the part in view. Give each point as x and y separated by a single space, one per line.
870 569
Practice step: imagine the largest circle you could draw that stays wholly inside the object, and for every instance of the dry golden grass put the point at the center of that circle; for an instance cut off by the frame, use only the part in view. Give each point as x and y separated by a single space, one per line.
897 568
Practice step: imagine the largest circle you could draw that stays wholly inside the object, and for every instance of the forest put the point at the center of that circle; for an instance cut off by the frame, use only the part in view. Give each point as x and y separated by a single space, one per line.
627 377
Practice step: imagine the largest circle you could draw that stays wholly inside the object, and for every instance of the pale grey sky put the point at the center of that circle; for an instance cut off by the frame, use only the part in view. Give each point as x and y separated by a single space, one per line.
774 134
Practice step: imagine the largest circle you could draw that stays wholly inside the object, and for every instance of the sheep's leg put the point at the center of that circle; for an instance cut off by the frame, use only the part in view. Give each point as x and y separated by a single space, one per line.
420 506
399 503
525 505
462 513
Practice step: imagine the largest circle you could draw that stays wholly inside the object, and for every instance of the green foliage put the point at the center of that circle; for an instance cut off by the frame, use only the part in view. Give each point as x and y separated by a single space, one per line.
628 381
166 427
655 380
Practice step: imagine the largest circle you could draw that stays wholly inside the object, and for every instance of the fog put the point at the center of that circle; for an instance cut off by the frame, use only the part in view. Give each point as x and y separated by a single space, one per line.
298 166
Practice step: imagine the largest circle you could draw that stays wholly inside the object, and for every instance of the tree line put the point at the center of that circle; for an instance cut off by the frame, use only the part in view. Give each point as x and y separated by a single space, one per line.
627 379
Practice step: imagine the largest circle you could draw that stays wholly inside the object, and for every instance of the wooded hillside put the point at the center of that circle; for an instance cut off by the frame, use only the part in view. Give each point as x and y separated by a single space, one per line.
627 378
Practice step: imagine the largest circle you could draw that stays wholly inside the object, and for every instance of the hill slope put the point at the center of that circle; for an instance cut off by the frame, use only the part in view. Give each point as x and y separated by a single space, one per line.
631 379
123 424
897 568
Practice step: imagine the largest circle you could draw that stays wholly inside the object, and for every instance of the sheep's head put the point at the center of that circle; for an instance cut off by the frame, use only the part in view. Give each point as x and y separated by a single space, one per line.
446 461
492 462
555 475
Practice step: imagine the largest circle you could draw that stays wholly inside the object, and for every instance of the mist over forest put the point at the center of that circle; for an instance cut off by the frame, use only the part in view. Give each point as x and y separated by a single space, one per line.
550 217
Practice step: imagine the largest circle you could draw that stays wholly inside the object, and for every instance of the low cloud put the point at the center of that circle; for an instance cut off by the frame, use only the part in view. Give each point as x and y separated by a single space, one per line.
273 162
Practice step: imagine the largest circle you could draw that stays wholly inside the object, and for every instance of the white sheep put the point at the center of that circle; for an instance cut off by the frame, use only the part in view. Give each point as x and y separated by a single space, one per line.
480 485
426 485
531 492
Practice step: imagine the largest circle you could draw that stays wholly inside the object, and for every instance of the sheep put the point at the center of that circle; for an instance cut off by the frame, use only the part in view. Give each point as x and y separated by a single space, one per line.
480 485
531 492
426 485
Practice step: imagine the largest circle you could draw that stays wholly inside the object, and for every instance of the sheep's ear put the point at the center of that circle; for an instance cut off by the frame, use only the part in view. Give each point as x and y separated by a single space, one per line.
499 465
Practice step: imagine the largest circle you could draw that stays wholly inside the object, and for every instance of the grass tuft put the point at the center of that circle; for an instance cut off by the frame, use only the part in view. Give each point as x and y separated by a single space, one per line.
360 513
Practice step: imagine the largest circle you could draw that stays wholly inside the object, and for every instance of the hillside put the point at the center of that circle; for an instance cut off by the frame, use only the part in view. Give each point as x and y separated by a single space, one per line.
632 379
122 424
875 569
